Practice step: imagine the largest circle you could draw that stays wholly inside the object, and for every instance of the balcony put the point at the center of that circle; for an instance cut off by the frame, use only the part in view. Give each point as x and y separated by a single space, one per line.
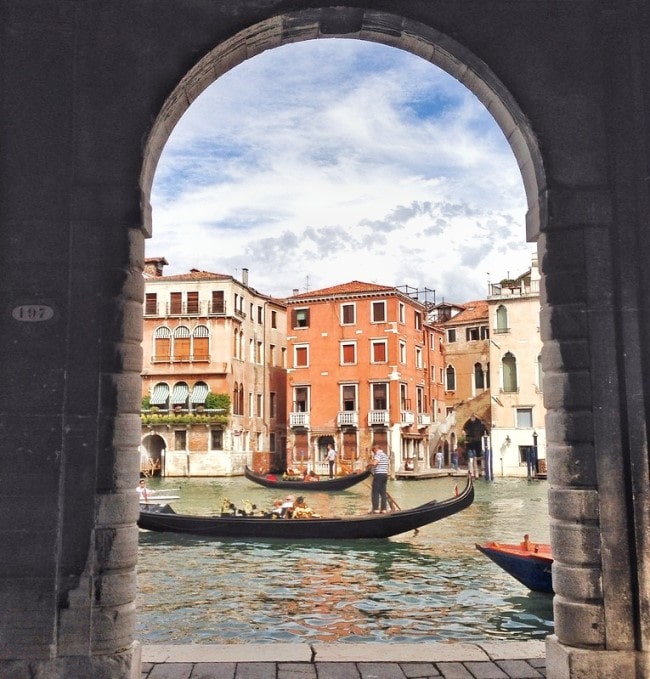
378 417
299 420
348 418
407 417
424 419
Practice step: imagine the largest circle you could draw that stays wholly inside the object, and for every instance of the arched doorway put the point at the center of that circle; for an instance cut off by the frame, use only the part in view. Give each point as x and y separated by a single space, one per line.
152 455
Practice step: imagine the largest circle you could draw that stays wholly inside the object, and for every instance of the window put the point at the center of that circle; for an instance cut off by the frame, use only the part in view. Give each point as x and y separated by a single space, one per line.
301 318
235 400
218 304
283 351
200 391
451 379
201 343
348 353
180 439
348 314
402 352
259 357
378 396
271 355
274 319
485 332
451 335
479 378
378 312
378 351
162 344
404 401
272 441
540 374
182 343
502 319
524 418
433 373
349 397
258 405
180 394
301 356
260 314
472 334
193 302
419 399
175 303
160 396
402 312
301 399
151 304
418 320
418 357
273 404
509 364
442 376
216 439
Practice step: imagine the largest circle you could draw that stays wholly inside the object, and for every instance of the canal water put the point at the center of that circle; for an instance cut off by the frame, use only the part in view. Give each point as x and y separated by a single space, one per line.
433 586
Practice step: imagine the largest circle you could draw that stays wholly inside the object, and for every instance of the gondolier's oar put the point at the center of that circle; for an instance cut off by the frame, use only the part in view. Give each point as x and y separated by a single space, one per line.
391 500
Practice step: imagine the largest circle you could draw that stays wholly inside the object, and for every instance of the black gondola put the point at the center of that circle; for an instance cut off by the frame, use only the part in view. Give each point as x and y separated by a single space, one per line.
163 518
337 483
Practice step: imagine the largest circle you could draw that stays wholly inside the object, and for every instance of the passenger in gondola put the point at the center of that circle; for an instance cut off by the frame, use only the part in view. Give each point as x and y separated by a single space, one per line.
286 509
311 475
302 510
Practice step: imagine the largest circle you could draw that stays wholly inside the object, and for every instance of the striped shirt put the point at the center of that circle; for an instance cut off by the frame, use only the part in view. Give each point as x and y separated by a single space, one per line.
382 462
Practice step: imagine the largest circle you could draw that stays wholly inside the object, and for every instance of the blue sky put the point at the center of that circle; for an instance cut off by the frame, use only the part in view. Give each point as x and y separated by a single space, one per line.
327 161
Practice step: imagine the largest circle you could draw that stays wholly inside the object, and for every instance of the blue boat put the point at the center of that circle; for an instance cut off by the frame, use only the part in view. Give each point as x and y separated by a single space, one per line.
529 563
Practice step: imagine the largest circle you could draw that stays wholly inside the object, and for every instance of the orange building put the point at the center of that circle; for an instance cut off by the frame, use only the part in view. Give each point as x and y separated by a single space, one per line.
214 378
363 369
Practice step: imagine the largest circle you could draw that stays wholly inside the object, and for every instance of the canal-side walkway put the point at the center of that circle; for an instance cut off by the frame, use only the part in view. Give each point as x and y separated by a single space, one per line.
483 660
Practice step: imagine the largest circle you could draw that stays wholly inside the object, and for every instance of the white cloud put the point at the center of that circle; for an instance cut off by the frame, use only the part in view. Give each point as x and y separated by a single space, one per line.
322 162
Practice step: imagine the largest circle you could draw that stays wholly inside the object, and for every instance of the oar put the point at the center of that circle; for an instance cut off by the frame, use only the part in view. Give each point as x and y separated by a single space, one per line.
391 500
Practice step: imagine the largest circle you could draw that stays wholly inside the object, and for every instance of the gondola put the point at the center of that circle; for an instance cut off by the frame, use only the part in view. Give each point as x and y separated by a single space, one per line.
337 483
374 526
529 563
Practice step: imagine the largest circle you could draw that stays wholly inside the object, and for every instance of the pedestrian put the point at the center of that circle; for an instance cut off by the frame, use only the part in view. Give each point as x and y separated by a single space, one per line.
471 462
454 460
331 458
380 464
439 458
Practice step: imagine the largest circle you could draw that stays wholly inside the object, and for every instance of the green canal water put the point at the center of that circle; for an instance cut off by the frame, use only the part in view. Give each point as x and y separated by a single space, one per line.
433 586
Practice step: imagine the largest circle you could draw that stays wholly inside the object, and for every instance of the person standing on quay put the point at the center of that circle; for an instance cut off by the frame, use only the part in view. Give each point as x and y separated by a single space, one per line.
380 464
331 458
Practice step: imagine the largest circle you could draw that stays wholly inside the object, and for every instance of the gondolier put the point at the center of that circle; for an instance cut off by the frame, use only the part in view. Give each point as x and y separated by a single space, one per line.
380 466
331 458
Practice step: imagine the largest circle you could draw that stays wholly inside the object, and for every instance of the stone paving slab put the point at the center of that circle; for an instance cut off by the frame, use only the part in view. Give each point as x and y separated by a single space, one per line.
489 660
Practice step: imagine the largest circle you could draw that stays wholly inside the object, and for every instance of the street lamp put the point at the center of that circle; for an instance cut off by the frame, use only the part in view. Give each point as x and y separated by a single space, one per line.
535 451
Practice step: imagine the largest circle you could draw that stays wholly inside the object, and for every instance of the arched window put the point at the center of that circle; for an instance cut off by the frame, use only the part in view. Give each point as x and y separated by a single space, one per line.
160 396
201 343
235 344
180 394
162 344
241 399
451 379
479 377
199 394
509 363
235 400
502 319
182 343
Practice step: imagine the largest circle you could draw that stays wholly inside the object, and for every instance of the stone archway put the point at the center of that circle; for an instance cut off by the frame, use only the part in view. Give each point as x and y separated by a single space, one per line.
90 92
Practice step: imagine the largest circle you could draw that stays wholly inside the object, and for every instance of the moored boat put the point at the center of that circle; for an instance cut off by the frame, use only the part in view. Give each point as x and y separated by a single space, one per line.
529 563
165 519
337 483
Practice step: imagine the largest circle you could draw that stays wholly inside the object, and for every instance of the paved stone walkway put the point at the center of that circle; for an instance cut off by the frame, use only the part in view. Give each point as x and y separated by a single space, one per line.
488 660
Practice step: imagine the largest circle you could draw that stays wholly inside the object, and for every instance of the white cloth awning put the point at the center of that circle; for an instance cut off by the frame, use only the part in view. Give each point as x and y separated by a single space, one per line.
159 395
179 394
199 393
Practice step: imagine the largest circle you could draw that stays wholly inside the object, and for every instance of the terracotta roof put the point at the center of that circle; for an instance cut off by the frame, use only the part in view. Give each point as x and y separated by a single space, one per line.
351 288
472 312
194 275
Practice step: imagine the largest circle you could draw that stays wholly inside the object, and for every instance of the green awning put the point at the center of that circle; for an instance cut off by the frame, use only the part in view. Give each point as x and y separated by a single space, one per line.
179 394
199 393
159 395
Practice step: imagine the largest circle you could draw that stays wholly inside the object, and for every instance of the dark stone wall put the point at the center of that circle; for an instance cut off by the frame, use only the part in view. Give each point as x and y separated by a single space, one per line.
89 92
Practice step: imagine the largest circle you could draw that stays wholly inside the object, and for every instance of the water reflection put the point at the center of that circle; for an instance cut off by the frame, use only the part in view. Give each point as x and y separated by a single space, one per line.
431 586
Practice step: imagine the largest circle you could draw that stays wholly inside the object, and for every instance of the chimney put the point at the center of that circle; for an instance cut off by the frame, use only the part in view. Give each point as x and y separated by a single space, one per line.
153 266
244 277
295 291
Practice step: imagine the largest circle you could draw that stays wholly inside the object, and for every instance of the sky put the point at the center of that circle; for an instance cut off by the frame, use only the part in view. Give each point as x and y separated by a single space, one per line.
327 161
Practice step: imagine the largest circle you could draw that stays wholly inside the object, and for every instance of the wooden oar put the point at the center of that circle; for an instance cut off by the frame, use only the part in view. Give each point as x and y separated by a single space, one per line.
391 500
